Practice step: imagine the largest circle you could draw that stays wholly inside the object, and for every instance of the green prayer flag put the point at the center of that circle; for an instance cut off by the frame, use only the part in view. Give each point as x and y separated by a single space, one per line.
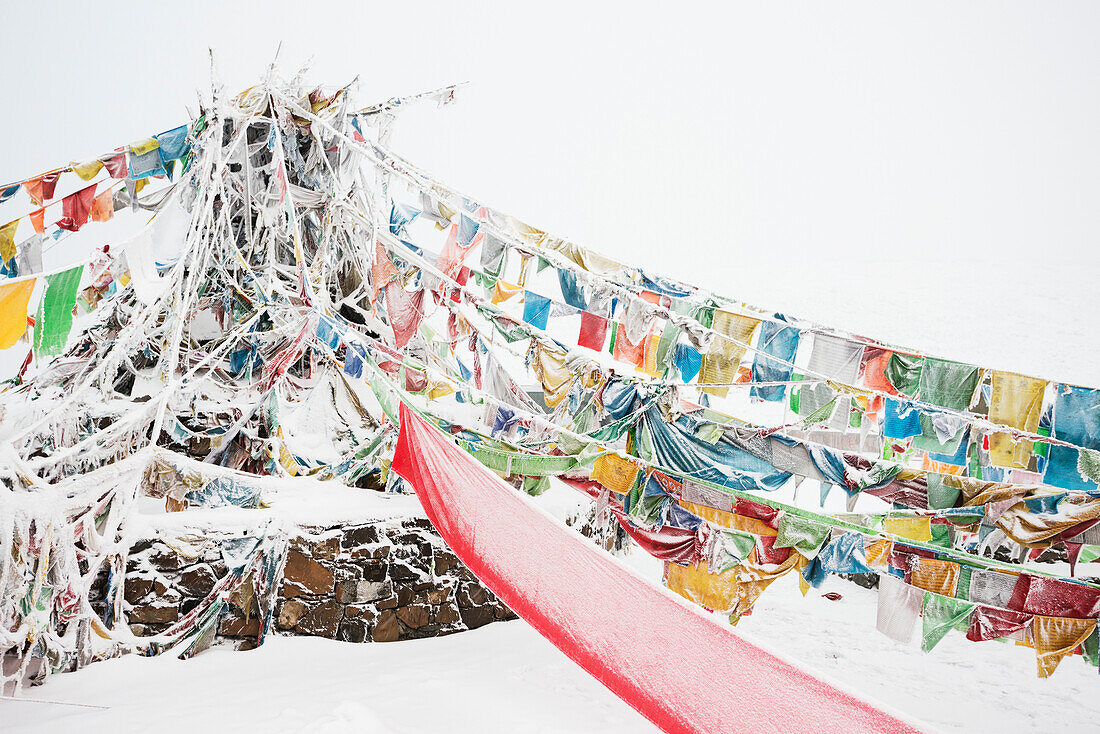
802 534
940 496
535 486
903 372
734 547
55 312
941 615
1090 650
962 591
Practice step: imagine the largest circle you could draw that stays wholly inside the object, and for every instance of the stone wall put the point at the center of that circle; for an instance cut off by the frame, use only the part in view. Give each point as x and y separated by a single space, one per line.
379 581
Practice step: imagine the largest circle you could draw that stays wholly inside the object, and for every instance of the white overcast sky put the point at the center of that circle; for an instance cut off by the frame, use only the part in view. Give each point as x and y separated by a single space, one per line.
925 173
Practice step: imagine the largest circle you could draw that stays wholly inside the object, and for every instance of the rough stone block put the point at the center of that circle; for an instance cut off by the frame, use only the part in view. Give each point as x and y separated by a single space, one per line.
387 628
157 612
414 616
477 617
290 612
308 574
357 592
197 581
356 537
322 621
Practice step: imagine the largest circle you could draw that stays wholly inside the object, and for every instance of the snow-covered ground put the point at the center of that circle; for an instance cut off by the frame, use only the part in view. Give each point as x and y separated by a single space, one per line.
505 678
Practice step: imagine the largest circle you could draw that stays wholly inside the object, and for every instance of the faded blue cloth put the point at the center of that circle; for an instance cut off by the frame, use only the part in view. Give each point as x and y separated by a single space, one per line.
780 342
401 215
536 309
353 360
841 555
676 447
959 457
467 230
678 517
1076 419
899 420
619 397
688 360
173 145
144 166
225 492
503 420
830 462
9 192
659 284
239 359
1045 505
328 332
571 291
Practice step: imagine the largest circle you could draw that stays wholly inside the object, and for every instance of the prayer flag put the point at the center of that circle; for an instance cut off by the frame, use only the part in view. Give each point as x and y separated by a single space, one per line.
55 312
13 310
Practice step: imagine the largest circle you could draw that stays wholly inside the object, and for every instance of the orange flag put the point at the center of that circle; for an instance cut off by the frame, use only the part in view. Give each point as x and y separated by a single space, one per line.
103 208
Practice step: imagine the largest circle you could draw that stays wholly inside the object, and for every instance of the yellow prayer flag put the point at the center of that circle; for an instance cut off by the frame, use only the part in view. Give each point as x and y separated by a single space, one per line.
939 577
730 520
7 240
913 528
1056 637
13 310
1017 401
87 171
615 473
716 591
877 552
142 147
720 363
504 291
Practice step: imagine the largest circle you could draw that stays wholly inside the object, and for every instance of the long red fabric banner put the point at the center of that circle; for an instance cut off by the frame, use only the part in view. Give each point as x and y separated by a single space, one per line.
679 669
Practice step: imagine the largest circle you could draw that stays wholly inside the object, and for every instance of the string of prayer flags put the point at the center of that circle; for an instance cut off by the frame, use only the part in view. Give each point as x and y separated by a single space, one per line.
55 312
14 298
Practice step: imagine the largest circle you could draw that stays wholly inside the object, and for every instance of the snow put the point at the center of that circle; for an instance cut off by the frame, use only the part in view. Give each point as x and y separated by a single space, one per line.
500 678
505 678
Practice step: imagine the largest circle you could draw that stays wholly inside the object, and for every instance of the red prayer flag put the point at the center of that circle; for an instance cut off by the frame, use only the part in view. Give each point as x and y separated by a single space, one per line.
593 331
75 208
116 164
